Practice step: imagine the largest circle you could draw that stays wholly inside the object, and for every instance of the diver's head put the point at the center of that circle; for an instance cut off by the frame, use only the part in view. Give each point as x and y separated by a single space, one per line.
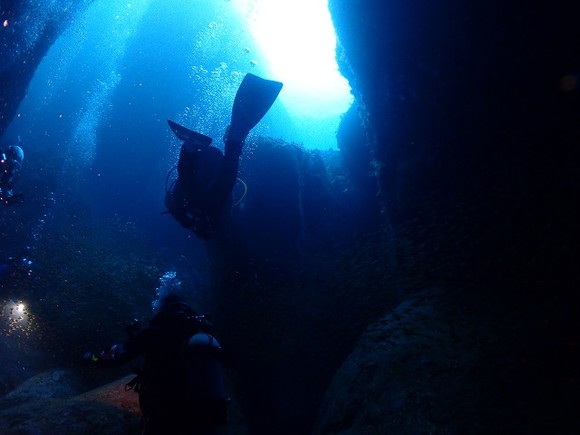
174 303
15 153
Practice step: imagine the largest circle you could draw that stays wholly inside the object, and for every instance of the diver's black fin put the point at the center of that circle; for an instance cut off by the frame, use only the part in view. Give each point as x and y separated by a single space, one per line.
254 98
185 134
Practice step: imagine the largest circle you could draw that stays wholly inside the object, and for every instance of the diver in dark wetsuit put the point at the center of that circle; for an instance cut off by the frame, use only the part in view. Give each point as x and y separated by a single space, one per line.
10 164
200 197
181 386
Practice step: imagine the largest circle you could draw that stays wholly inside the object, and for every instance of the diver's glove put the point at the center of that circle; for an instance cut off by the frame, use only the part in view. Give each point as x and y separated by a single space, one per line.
90 358
104 357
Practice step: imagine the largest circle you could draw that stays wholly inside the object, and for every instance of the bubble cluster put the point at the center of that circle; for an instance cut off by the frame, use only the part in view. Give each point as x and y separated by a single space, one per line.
15 318
168 284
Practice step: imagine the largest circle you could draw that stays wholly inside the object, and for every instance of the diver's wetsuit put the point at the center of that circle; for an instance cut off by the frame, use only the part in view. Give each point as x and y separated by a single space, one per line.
181 387
9 169
202 205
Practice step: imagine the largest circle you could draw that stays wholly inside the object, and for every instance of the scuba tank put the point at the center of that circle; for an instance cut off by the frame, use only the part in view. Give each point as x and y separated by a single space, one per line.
204 368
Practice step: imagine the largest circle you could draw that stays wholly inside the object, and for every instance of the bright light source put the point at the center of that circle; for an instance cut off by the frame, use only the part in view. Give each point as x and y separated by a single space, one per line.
298 39
14 317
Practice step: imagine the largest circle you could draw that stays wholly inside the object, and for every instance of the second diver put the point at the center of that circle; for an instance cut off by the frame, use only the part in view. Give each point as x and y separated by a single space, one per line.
199 198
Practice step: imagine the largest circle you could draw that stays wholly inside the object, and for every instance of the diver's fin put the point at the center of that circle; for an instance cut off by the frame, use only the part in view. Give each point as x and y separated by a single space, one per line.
254 98
189 136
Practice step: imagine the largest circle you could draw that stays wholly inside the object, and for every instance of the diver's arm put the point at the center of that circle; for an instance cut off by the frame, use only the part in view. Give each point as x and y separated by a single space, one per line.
10 170
14 170
116 355
120 353
177 205
184 217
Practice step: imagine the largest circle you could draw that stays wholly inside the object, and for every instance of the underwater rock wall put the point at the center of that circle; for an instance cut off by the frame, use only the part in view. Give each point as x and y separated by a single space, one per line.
51 402
296 282
440 364
27 32
470 111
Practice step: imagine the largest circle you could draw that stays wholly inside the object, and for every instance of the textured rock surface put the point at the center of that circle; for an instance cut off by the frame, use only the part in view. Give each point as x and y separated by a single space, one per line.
55 384
440 365
27 34
473 126
50 403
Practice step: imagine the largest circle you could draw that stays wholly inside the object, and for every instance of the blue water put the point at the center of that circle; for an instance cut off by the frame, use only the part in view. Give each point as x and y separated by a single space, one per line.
101 97
98 148
182 60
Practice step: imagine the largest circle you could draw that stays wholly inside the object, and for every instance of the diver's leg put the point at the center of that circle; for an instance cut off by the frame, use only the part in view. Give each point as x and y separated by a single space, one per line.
228 171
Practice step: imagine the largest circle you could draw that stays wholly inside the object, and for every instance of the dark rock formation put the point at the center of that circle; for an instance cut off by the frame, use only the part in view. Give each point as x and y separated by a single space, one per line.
51 403
471 114
439 364
54 402
50 385
468 117
284 294
26 34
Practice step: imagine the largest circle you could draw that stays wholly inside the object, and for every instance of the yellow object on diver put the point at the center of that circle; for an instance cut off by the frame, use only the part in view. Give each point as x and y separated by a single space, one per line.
243 194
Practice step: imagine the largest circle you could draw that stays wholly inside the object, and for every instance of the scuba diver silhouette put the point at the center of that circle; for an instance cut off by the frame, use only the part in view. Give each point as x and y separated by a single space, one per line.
10 164
199 198
181 385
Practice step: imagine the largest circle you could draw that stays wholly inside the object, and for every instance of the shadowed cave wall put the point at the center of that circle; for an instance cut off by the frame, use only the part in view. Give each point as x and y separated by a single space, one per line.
24 40
471 112
467 117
